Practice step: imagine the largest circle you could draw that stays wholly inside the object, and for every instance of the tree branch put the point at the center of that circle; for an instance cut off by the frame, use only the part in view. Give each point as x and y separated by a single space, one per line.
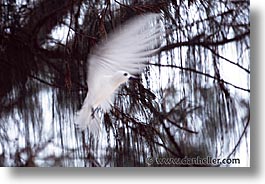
205 43
201 73
229 61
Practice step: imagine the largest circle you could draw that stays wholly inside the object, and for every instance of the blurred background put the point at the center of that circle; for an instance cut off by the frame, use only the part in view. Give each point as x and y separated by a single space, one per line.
191 101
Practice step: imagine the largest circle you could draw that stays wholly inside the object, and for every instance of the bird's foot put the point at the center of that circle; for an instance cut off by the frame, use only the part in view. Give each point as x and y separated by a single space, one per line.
94 111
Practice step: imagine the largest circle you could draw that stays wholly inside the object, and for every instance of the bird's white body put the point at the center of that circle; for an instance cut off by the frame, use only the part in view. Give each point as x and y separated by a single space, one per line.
125 53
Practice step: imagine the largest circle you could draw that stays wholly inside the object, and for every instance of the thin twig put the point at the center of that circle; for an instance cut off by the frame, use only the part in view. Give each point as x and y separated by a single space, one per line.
205 42
240 138
236 64
201 73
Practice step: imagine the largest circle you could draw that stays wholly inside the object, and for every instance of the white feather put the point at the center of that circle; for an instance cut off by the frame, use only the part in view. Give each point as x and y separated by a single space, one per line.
126 51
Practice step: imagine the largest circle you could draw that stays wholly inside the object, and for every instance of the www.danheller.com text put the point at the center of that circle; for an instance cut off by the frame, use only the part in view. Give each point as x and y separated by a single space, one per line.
191 161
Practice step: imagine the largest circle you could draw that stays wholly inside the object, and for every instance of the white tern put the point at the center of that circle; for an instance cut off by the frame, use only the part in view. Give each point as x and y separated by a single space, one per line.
123 55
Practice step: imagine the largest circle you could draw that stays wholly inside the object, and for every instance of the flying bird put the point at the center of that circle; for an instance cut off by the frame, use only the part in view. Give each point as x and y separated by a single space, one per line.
122 56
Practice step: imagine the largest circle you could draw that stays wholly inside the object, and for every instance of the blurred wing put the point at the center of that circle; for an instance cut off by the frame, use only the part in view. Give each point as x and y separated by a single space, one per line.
127 50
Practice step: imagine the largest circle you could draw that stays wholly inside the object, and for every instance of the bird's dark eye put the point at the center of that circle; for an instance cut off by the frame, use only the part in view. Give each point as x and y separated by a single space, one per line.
125 74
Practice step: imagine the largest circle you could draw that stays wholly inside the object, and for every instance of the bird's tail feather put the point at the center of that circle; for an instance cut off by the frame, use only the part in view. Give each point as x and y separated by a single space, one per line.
85 119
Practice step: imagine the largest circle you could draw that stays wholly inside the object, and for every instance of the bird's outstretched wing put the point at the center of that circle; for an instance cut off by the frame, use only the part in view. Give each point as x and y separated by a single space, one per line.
127 49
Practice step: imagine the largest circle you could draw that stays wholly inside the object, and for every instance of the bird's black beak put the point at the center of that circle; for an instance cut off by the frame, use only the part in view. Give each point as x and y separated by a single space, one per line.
133 77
